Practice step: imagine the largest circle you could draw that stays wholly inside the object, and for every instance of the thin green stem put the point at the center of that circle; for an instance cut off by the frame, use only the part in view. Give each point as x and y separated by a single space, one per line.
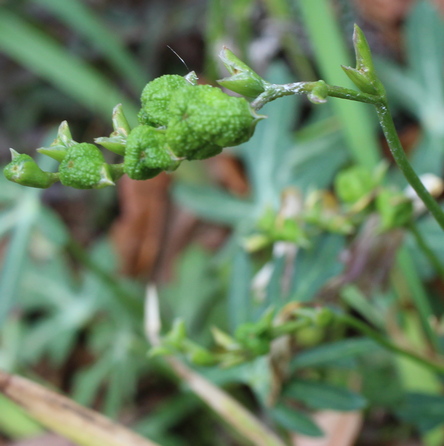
275 91
388 127
386 343
427 250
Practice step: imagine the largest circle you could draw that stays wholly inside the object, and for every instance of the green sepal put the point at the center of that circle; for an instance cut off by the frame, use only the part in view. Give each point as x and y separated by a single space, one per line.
120 123
84 167
177 335
116 142
364 60
360 79
243 79
59 147
364 76
319 93
25 171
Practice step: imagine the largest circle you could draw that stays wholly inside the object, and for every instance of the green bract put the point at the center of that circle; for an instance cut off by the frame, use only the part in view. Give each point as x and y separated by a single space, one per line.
203 120
156 97
147 153
84 167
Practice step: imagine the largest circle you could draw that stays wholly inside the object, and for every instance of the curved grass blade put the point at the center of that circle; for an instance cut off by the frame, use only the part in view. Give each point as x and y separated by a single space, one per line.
41 54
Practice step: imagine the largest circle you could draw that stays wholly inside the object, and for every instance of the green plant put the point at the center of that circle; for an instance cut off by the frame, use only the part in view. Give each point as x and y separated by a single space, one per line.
188 122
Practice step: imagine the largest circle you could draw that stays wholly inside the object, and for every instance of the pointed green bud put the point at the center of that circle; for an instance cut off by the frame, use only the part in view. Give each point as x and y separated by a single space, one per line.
84 167
319 94
364 75
59 148
243 79
120 123
360 79
364 60
116 142
177 334
25 171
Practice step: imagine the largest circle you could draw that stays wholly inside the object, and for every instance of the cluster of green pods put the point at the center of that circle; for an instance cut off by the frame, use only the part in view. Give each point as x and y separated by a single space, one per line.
178 120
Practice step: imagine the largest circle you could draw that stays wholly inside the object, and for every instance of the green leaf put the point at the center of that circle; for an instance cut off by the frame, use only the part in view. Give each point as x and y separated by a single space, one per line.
425 411
212 203
318 395
327 354
239 294
295 421
41 54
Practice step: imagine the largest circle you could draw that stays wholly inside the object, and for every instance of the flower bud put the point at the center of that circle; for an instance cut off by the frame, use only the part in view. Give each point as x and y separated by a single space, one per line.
116 142
319 93
243 79
59 148
84 167
364 75
25 171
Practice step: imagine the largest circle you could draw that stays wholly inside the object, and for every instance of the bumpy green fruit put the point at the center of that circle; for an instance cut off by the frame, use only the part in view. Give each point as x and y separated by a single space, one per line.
203 120
147 153
156 97
84 167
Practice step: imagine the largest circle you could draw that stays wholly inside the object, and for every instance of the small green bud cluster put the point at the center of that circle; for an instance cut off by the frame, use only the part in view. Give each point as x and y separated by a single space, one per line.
358 193
178 120
250 339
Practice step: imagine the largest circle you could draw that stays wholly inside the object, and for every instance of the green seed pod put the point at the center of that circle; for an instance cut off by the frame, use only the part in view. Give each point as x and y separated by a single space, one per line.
147 153
25 171
156 97
203 120
84 167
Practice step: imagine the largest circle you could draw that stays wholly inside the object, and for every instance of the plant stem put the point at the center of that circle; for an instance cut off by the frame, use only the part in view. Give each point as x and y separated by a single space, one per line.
275 91
388 127
62 415
382 340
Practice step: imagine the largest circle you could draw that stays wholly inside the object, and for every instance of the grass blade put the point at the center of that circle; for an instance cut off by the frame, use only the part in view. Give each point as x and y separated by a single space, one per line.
41 54
85 22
